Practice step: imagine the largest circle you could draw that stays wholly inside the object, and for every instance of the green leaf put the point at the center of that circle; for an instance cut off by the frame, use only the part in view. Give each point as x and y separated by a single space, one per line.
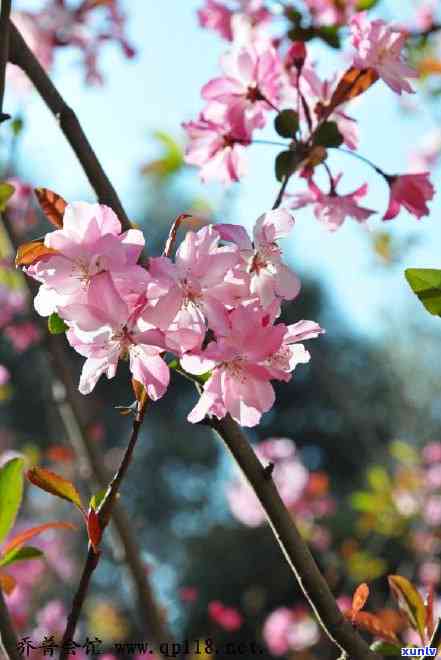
56 325
286 123
11 491
171 161
364 501
410 602
286 164
16 126
426 283
363 5
6 192
378 479
96 499
328 135
54 484
21 554
330 35
386 649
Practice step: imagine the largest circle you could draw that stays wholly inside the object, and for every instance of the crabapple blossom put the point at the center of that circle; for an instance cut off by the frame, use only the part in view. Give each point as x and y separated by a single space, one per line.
243 361
227 618
290 630
330 208
379 47
5 376
22 335
249 16
270 278
20 210
329 12
89 243
249 86
217 146
216 16
194 294
411 191
105 329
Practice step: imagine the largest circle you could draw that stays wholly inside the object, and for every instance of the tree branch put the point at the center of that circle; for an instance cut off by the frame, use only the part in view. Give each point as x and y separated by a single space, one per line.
23 57
4 50
92 560
8 638
297 553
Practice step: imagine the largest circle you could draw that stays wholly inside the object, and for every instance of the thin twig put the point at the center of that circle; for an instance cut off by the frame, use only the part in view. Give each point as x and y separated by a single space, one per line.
8 638
297 553
4 50
92 560
23 57
279 197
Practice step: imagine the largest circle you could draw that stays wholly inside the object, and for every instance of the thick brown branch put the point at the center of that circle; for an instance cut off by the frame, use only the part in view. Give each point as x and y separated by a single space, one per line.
22 56
8 638
297 553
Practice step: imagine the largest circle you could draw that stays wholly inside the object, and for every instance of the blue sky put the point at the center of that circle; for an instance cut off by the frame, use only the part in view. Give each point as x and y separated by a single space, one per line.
161 88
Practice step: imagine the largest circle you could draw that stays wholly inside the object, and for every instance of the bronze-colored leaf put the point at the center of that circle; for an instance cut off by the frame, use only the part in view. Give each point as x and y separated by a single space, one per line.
410 603
52 205
20 539
94 529
54 484
140 393
29 253
353 83
7 583
360 597
373 624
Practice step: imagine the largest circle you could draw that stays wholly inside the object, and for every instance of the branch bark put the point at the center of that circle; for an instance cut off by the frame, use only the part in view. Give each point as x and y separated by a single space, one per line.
4 50
8 638
297 553
22 56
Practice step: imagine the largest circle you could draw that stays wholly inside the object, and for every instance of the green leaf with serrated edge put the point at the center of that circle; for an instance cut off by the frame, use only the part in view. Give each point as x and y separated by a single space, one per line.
21 554
286 123
328 135
54 484
11 491
96 499
56 325
409 602
426 284
6 192
385 649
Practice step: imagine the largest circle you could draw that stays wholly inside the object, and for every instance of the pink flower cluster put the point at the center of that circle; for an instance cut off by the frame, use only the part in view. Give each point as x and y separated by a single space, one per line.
214 307
287 630
261 74
86 26
304 493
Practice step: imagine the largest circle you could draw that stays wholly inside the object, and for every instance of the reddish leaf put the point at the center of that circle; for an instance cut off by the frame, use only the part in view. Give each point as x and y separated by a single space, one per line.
353 83
52 205
7 583
372 624
140 394
409 602
94 530
30 252
360 597
18 540
54 484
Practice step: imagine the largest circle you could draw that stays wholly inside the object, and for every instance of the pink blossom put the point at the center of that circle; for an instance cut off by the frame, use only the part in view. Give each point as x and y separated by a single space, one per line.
105 330
329 12
430 573
290 630
432 452
243 362
432 510
21 213
193 288
330 208
216 16
379 47
227 618
289 475
270 278
89 243
411 191
217 146
23 335
12 301
5 376
249 87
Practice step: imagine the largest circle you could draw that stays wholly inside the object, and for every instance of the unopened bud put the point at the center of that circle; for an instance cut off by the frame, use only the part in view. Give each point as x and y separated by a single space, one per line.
296 55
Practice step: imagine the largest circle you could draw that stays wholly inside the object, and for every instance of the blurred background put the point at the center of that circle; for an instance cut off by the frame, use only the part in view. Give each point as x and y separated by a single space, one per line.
356 435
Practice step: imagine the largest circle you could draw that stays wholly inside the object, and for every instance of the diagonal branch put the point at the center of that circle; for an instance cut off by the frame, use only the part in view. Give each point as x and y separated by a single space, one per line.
297 553
21 55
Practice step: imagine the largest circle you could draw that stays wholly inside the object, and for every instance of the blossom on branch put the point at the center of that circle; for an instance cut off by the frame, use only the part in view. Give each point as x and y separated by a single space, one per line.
412 191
